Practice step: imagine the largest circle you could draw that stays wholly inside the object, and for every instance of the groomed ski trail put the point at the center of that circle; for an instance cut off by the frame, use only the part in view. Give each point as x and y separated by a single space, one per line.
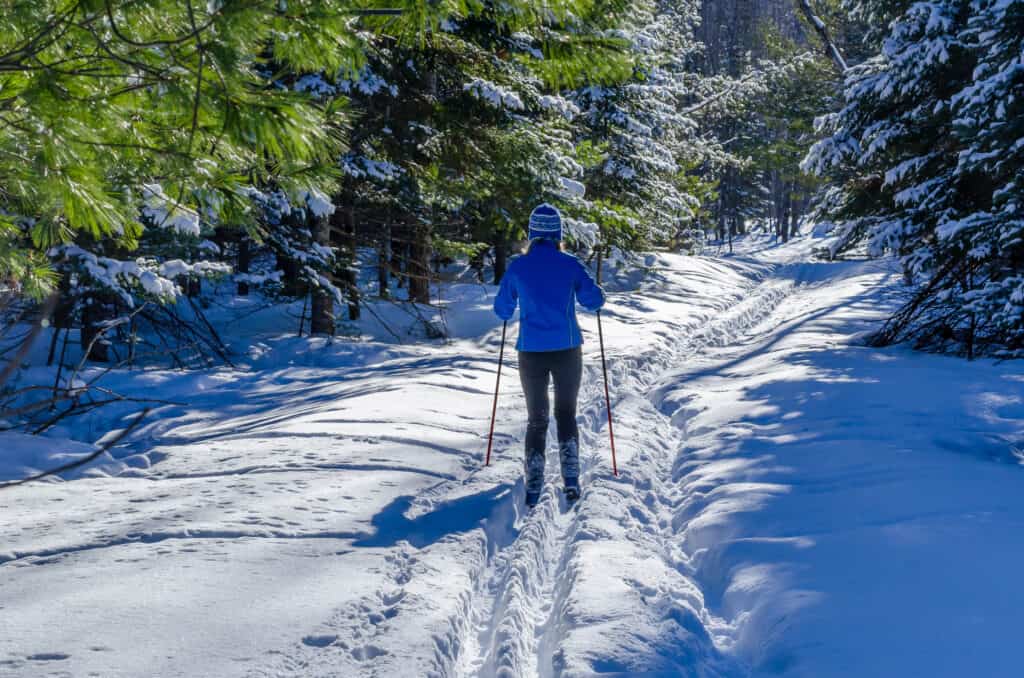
510 588
331 517
521 609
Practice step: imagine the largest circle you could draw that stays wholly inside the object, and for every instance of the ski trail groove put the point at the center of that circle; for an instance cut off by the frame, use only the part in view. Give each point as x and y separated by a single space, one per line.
516 610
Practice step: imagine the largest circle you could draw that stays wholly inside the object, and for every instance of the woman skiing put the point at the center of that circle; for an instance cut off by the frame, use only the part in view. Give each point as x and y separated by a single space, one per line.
546 283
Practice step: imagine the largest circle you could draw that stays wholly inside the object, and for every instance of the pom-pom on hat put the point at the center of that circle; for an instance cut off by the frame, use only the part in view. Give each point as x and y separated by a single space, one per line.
546 222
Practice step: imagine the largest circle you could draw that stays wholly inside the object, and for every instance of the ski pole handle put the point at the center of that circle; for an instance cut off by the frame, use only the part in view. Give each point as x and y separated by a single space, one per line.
497 383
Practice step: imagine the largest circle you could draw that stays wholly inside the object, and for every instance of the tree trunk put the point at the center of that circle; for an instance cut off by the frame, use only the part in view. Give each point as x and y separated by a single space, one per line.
384 258
291 285
794 217
244 260
351 271
500 258
321 319
831 50
777 203
399 259
62 316
95 310
476 262
418 266
787 207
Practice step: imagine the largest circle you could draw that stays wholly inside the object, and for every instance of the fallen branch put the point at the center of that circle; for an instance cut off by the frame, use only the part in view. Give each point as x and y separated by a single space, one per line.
380 320
733 86
96 337
74 393
84 460
218 344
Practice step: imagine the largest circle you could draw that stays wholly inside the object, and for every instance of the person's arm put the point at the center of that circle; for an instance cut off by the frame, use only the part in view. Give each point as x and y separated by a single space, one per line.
505 301
588 293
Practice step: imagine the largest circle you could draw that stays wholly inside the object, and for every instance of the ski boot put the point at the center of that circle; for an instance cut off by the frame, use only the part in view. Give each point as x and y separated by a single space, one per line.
534 477
572 489
569 454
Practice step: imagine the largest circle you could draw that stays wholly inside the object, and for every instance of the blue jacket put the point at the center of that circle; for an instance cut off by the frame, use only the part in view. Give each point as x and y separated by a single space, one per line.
547 282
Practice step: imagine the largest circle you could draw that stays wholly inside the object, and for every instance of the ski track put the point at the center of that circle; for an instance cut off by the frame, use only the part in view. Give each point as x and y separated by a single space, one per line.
441 573
514 608
518 611
512 604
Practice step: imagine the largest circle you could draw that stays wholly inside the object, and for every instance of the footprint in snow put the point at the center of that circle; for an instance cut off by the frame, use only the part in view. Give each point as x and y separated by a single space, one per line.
48 657
319 640
367 652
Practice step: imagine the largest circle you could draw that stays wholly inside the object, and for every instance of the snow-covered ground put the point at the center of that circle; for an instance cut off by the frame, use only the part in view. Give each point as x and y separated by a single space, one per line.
790 502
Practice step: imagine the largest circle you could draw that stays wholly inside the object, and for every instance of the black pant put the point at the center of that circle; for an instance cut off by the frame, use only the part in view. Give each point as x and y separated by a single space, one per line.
566 369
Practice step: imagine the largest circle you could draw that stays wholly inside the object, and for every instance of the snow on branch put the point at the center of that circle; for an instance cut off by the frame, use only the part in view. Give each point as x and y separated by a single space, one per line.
495 95
163 212
318 202
125 278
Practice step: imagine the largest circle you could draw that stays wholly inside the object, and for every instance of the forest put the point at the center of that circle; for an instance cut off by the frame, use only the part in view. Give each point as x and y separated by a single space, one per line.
249 251
152 150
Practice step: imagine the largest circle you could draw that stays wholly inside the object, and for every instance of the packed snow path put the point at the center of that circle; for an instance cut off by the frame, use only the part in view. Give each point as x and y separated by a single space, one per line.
790 503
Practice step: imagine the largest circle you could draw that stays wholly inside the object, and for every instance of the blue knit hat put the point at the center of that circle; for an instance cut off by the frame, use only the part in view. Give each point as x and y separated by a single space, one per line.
546 222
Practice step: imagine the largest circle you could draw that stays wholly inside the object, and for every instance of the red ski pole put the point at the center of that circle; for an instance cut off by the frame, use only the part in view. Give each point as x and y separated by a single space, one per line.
604 371
497 382
607 397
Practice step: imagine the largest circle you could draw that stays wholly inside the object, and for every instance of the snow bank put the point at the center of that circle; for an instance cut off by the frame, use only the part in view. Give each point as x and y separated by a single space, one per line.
26 455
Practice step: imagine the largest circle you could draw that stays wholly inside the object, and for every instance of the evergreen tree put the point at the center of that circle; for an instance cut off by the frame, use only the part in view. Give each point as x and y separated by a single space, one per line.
990 124
101 99
636 138
925 158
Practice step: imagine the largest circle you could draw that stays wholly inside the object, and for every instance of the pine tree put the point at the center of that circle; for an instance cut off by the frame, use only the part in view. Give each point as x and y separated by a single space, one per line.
462 130
925 158
637 141
131 130
100 99
990 124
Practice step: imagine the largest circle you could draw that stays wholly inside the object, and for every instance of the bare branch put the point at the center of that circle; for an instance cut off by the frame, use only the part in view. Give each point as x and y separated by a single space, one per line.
84 460
831 50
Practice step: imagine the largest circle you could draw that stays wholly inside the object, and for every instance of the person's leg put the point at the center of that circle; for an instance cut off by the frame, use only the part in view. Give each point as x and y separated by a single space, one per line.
533 373
567 372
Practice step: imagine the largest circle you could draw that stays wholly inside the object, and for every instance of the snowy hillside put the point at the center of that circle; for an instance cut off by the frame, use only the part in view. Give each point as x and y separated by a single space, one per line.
790 503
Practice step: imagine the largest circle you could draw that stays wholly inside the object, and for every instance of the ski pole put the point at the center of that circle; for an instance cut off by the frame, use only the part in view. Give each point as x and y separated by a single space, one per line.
604 370
607 397
497 382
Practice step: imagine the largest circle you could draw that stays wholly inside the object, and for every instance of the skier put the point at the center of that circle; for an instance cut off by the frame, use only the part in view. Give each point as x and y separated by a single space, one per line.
546 282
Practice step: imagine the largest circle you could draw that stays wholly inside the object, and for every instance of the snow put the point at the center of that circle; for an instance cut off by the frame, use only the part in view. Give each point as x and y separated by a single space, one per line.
495 95
573 188
121 276
25 455
360 166
560 105
791 501
318 202
315 84
163 212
